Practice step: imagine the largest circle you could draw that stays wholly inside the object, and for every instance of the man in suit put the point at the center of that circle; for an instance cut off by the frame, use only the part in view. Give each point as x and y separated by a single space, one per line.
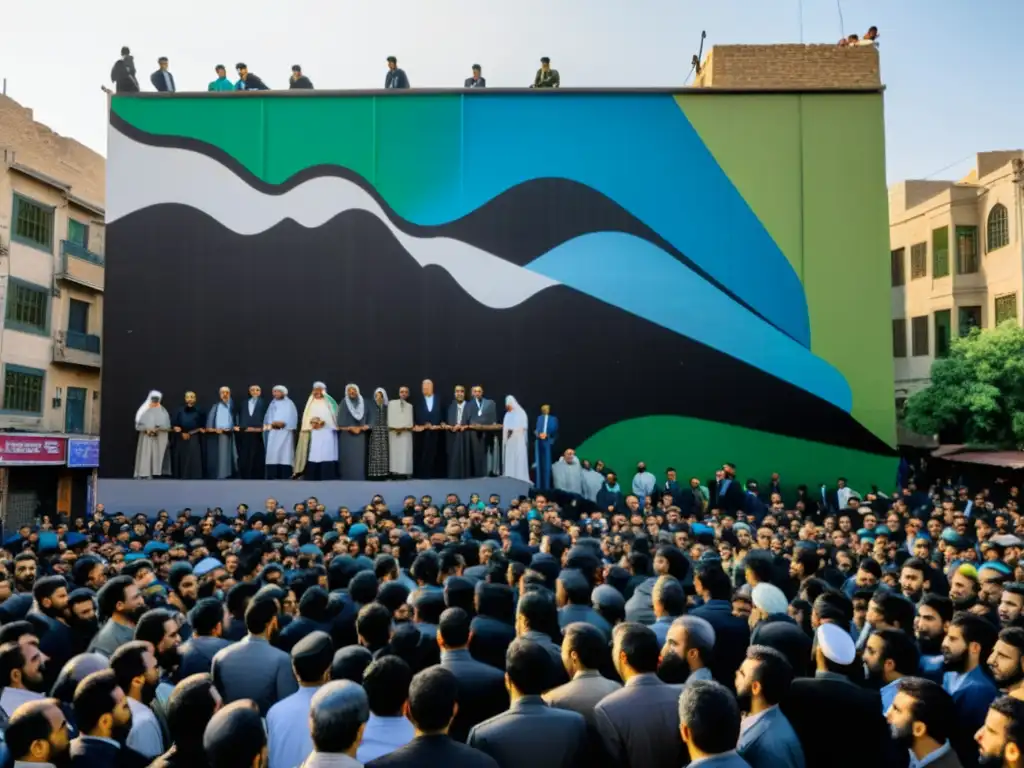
395 78
483 415
250 439
546 432
531 733
584 652
482 691
767 740
162 79
815 705
639 724
103 720
493 627
732 633
709 723
122 74
922 719
48 613
431 708
253 668
207 620
965 650
37 733
535 612
476 81
724 492
572 594
428 413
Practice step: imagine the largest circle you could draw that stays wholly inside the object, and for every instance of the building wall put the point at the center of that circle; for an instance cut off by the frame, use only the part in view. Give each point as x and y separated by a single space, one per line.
790 66
916 209
62 174
717 290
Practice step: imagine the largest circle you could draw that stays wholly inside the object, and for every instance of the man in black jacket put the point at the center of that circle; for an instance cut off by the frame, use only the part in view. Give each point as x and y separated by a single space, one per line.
247 81
732 634
814 706
476 81
299 80
482 691
395 78
431 707
104 722
122 74
207 619
49 614
162 79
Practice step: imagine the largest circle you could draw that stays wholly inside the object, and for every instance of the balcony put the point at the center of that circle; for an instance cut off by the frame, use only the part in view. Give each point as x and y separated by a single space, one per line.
81 266
74 348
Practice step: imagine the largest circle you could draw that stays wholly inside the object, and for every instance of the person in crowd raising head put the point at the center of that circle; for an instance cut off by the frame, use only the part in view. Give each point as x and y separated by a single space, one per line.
37 734
922 719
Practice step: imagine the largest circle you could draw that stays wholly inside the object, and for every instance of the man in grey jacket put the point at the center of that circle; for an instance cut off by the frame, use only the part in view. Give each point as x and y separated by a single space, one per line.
207 620
253 668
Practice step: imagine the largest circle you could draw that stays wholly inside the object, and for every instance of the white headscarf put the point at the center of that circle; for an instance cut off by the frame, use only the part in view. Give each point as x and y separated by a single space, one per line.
145 406
516 418
381 390
282 389
358 409
319 385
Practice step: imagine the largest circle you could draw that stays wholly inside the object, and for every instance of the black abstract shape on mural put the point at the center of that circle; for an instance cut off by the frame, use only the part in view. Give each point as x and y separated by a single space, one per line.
519 225
191 305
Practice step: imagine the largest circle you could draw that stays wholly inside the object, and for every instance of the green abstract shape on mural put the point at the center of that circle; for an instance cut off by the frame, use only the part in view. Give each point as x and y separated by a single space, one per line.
811 168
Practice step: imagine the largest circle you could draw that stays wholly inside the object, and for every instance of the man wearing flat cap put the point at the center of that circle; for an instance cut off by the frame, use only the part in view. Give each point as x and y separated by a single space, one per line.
815 705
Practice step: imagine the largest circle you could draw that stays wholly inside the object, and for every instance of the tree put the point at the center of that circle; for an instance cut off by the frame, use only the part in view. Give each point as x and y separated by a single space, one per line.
977 392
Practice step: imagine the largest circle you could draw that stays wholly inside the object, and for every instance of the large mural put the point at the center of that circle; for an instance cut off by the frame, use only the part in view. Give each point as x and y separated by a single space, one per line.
686 278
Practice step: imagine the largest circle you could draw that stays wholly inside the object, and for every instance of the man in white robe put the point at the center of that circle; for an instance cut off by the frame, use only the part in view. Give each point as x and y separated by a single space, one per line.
279 427
400 423
153 424
514 448
567 473
317 455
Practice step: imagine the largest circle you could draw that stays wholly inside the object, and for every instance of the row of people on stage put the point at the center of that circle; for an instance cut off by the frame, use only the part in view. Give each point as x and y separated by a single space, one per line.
348 439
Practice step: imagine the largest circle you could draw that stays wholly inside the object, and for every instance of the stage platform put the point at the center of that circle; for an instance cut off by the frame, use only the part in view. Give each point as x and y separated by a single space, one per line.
150 496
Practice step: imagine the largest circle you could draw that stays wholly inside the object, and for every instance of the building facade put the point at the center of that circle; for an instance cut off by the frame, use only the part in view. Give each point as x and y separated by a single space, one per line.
956 261
51 315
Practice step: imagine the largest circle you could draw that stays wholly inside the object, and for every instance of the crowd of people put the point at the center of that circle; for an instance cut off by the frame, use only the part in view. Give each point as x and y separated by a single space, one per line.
125 78
831 629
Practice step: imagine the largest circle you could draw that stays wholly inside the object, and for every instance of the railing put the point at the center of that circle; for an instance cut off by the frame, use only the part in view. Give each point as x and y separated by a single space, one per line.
69 248
86 342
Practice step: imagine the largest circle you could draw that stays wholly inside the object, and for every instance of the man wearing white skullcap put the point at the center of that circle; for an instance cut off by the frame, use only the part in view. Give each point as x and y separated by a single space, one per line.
767 600
815 705
836 645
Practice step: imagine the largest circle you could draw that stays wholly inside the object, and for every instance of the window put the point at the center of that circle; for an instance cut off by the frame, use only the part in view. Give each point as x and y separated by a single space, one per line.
33 223
28 307
966 250
919 334
967 318
23 389
1006 308
899 338
940 252
918 260
78 233
943 327
896 264
998 228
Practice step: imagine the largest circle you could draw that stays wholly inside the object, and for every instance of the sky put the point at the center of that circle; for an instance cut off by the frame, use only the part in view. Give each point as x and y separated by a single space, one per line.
951 67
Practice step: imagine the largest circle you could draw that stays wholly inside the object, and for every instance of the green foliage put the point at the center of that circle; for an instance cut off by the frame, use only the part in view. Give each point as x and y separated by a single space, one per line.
977 391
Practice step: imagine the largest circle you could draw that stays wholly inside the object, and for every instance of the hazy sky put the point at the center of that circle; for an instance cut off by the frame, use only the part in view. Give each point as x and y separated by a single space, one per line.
952 67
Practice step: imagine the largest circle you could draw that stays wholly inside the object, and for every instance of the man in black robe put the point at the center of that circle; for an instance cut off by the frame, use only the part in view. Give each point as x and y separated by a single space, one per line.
427 417
188 424
251 449
459 460
483 415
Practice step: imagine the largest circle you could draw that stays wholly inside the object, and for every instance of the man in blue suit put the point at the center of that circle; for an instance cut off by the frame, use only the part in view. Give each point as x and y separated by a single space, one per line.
709 723
767 740
546 434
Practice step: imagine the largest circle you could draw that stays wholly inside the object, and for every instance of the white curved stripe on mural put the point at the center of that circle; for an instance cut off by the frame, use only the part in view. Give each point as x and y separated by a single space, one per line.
140 176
